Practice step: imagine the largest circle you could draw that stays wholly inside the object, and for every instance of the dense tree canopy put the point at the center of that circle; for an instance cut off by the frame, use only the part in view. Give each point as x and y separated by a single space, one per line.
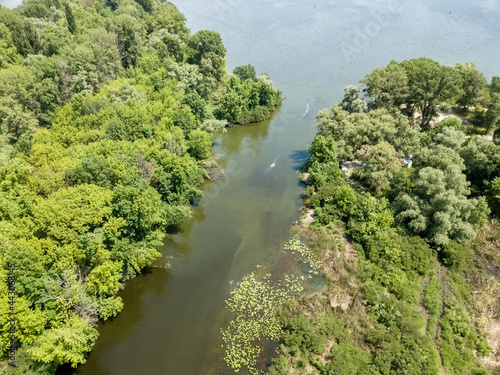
106 114
399 216
419 86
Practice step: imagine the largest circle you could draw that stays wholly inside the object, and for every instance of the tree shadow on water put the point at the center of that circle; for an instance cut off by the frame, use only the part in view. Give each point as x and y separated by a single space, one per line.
299 158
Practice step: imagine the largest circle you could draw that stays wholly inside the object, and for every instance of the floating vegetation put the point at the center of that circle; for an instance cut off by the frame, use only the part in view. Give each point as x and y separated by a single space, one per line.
296 245
255 303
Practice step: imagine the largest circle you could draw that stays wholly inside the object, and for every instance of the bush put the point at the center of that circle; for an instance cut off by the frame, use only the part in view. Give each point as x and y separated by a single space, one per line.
453 255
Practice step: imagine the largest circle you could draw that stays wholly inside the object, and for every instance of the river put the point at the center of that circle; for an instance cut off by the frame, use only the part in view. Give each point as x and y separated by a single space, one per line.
311 49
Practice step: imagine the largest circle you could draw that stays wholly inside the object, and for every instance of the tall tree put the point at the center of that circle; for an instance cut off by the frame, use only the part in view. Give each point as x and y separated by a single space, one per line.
207 45
438 208
351 102
245 72
388 87
429 84
471 83
70 18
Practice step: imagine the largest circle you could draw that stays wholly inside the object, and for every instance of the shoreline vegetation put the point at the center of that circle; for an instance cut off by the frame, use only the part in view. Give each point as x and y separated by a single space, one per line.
107 115
407 234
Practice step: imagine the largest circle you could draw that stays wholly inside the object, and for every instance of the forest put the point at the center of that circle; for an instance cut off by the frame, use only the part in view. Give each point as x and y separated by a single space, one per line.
404 183
107 115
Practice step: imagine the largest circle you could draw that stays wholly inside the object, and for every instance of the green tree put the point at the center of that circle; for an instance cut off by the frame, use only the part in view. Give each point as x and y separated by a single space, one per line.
492 117
351 102
450 122
68 343
429 84
23 34
94 169
323 150
141 207
147 5
493 195
208 45
197 104
104 280
416 86
15 123
167 45
450 137
353 131
205 42
388 87
129 34
381 164
471 83
438 208
495 85
199 144
8 51
245 72
72 211
230 106
482 161
70 18
167 16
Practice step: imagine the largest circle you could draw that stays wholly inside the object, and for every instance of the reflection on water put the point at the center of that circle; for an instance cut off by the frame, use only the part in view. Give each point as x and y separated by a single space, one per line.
311 49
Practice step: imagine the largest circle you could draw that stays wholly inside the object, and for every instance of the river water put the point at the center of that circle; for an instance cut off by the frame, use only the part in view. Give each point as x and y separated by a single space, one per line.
311 49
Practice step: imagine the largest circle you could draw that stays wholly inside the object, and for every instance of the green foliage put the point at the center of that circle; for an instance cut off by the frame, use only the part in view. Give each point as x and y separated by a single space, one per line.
70 212
8 51
368 217
245 72
66 344
200 144
207 51
104 279
381 164
351 102
491 119
450 137
450 122
197 105
398 273
453 255
481 158
70 18
420 84
471 82
439 208
214 126
323 150
388 87
353 132
345 359
458 339
433 302
105 115
248 101
493 196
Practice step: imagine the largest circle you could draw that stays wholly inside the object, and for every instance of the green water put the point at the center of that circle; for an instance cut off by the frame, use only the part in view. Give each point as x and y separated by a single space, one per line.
171 318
